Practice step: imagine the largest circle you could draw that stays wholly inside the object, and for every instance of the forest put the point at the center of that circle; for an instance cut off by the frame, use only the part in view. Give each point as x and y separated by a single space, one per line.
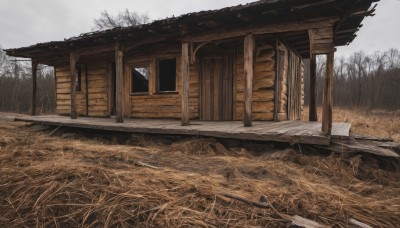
362 80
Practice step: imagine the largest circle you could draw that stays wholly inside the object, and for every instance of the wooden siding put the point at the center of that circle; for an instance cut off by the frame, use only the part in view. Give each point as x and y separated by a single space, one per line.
96 73
264 77
161 105
98 88
63 91
169 105
291 85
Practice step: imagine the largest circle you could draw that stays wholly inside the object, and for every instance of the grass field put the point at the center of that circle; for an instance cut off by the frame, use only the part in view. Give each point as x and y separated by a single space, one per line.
377 123
90 179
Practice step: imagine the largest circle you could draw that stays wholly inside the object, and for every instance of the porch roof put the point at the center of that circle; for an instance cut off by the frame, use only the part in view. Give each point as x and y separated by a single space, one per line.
348 15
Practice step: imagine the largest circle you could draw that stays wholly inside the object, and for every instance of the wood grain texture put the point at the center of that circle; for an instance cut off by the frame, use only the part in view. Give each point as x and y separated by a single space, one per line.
249 46
185 84
313 116
34 81
73 59
286 131
327 102
119 82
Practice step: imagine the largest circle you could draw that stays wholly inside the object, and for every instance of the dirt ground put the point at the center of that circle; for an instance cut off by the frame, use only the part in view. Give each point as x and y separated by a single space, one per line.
76 178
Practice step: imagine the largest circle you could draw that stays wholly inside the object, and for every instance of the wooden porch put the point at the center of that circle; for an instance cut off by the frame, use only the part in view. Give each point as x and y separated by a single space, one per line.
287 131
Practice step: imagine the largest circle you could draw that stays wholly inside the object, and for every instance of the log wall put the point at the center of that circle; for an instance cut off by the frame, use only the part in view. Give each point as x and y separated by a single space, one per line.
169 105
96 73
63 91
161 105
264 81
291 85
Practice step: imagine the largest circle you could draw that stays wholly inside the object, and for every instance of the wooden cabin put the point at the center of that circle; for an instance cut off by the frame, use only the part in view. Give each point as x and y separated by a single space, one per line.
242 63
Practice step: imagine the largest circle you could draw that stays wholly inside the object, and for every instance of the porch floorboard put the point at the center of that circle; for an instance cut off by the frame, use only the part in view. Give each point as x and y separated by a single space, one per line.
286 131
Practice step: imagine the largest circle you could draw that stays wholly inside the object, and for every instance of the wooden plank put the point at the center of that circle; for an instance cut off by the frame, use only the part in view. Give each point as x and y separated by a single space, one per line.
73 59
249 47
313 116
185 84
267 28
327 104
287 131
34 81
119 65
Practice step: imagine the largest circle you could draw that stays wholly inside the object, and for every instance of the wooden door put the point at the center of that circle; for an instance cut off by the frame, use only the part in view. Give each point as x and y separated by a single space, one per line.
295 88
216 88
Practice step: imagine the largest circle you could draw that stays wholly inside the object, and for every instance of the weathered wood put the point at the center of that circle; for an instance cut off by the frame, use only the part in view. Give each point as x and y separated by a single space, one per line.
249 202
278 71
313 115
363 146
119 81
73 59
271 28
249 47
359 224
34 81
185 84
327 104
286 131
303 222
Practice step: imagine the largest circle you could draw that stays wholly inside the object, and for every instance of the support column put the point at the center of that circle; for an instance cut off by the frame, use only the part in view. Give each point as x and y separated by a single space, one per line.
249 46
313 116
327 106
185 84
73 59
34 81
119 66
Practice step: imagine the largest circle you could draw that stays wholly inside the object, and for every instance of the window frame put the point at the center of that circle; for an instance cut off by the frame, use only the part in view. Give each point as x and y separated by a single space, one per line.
157 79
131 67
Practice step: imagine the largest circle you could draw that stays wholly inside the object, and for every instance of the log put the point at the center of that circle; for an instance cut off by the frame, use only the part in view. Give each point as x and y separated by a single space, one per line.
34 81
119 83
327 104
185 84
249 47
249 202
73 59
313 116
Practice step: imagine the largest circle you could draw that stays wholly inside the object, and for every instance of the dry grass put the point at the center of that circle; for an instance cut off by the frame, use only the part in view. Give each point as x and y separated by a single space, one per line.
55 182
377 123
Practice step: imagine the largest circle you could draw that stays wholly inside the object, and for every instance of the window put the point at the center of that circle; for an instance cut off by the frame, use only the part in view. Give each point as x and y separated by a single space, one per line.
167 75
140 80
78 78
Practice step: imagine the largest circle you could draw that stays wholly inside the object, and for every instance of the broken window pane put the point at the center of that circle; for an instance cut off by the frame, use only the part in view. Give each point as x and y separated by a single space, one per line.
140 79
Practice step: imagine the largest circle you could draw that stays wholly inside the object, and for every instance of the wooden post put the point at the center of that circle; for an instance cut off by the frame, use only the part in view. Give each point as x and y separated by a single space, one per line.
34 81
185 84
119 66
249 46
313 116
73 59
327 106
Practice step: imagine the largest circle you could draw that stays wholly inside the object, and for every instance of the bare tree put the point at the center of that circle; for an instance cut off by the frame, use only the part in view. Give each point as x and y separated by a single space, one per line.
125 18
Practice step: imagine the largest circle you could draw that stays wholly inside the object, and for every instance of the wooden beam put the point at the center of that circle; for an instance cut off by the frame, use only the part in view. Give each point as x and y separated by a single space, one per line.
327 105
73 59
119 66
34 81
224 33
185 84
244 17
313 116
277 87
249 47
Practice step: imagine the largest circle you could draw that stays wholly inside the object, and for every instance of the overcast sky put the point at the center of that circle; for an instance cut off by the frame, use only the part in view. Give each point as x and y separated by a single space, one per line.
27 22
